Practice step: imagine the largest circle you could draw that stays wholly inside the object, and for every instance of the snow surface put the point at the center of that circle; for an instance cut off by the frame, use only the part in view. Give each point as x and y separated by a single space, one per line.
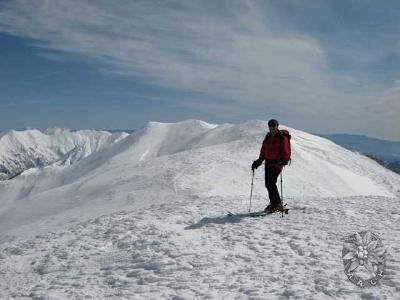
145 218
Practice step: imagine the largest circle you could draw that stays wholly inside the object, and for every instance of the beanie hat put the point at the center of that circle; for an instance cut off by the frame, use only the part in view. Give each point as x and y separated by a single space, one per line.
273 123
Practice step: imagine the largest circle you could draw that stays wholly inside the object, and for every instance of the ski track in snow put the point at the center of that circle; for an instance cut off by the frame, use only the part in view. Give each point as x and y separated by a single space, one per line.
194 251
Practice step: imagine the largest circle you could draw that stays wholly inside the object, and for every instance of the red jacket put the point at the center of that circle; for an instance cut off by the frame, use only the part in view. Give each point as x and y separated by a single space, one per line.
275 150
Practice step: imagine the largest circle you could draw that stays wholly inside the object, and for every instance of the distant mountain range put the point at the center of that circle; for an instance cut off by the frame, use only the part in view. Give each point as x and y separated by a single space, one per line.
387 153
120 130
31 148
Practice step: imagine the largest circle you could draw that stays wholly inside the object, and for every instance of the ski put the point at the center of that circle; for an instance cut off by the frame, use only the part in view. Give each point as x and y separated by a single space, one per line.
250 214
257 213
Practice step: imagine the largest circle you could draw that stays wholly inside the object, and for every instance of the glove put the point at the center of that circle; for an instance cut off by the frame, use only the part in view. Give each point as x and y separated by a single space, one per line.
283 162
256 164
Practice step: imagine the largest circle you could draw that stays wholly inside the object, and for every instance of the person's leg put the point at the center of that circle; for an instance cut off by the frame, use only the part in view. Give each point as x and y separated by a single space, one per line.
271 177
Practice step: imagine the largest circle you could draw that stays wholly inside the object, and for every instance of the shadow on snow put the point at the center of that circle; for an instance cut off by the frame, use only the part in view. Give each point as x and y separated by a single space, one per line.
232 218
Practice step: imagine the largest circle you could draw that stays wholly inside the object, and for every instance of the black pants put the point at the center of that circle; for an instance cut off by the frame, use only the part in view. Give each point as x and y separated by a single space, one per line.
271 177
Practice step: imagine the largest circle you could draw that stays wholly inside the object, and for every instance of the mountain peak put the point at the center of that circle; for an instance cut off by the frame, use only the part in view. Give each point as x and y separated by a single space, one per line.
56 130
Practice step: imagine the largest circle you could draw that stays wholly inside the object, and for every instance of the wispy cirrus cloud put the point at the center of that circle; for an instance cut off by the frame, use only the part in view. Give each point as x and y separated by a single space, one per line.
228 50
232 54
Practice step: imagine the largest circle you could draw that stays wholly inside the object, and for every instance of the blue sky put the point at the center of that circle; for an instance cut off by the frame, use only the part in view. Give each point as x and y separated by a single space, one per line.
320 66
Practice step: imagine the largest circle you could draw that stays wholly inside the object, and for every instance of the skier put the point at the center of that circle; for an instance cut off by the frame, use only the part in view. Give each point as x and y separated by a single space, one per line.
276 152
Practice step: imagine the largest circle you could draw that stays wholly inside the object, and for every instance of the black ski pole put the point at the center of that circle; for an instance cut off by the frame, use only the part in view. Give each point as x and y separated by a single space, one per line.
281 187
283 206
251 192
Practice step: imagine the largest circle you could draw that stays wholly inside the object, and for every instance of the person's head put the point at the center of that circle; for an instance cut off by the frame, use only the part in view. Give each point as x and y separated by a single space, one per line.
273 125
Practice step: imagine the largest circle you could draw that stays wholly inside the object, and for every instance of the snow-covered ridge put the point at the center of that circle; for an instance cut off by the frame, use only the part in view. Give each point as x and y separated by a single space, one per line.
164 161
22 150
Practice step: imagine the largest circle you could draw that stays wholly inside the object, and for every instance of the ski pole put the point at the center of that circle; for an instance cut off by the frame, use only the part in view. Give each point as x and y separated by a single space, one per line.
281 187
251 192
283 205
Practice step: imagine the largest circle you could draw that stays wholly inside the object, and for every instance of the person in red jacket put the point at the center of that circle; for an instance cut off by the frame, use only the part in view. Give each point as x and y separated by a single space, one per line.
275 151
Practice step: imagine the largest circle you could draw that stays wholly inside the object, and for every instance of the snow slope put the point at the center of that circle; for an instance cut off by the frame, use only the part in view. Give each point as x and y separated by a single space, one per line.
22 150
145 218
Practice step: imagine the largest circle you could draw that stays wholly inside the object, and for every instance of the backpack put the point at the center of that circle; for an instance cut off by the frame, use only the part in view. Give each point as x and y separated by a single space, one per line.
286 137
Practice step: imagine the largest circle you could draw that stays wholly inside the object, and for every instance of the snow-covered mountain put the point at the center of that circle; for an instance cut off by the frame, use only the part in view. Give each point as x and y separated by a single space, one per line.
143 217
163 160
382 149
387 153
22 150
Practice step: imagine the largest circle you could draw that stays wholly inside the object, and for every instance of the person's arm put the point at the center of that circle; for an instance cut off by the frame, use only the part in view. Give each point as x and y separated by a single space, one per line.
262 150
261 155
259 160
